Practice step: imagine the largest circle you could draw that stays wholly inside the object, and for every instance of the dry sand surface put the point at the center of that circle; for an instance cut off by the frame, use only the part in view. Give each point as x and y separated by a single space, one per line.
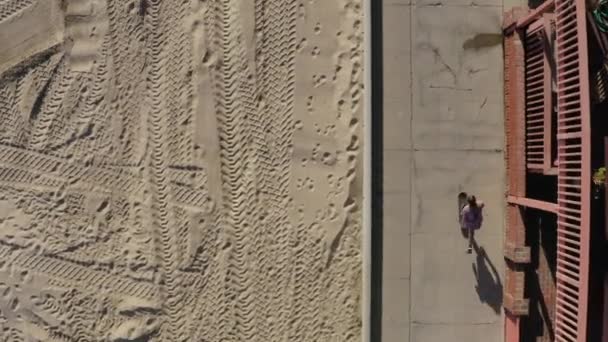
178 170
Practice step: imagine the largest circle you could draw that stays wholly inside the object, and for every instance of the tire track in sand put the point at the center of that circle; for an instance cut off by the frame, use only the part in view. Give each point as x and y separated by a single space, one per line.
163 222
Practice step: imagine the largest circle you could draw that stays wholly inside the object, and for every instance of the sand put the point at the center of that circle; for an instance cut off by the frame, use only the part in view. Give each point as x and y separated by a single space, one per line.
180 170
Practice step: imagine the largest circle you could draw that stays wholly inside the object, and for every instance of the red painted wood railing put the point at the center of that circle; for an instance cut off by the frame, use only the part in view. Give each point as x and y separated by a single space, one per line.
574 171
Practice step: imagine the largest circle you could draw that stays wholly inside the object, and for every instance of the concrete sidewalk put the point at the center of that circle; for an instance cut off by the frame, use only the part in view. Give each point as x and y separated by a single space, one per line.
443 134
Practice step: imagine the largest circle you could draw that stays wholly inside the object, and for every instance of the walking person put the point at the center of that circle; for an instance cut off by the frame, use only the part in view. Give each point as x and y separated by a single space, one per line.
471 218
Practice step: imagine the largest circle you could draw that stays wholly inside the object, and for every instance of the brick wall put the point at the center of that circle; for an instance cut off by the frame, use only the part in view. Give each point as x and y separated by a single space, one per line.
540 277
515 241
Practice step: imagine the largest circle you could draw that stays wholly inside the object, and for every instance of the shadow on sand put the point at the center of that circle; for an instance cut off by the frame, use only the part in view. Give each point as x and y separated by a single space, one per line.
489 285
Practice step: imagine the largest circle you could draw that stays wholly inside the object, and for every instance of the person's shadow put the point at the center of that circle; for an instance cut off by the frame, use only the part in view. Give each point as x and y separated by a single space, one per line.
489 285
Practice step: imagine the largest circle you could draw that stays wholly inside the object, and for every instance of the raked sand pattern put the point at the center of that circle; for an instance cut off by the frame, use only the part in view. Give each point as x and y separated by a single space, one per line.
178 170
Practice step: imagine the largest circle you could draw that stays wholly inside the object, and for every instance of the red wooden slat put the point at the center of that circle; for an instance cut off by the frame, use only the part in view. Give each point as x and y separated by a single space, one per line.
564 335
541 82
566 264
533 59
536 95
560 83
565 28
561 276
569 328
567 52
536 114
568 162
567 290
569 217
569 210
566 136
567 202
566 249
535 122
568 42
570 64
570 128
571 234
532 203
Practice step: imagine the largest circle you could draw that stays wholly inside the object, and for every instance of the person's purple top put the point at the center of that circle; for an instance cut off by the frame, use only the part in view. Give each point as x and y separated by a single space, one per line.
472 217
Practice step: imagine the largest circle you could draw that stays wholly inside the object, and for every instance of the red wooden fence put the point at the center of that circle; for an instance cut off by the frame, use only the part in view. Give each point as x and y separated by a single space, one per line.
574 171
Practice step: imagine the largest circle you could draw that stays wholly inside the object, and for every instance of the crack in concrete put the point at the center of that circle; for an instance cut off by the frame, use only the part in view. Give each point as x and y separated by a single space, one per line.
438 58
450 88
445 64
474 71
483 104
